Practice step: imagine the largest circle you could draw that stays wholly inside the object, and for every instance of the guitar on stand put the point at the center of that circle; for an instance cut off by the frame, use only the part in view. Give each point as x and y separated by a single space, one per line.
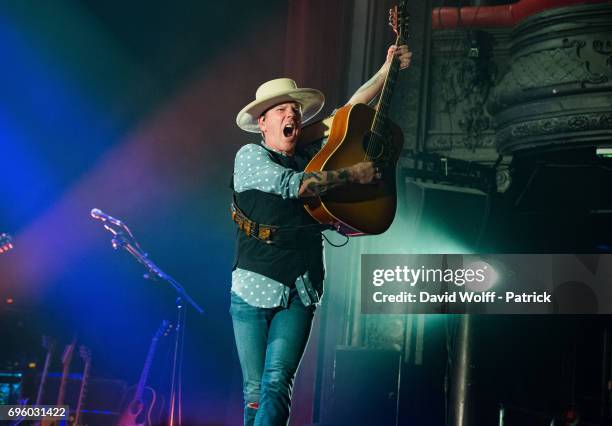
66 360
85 354
123 238
49 344
361 133
144 407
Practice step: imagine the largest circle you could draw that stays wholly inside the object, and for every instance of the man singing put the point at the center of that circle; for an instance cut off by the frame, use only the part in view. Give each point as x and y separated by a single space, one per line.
277 277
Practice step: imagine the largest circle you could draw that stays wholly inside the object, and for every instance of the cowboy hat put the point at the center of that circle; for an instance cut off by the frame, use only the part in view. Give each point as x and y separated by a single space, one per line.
276 92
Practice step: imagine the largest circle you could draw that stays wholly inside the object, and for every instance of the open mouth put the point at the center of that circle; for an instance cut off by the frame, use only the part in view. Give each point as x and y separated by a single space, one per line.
289 130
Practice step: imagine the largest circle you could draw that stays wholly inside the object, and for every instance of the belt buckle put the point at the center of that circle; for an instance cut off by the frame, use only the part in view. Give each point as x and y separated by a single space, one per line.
265 233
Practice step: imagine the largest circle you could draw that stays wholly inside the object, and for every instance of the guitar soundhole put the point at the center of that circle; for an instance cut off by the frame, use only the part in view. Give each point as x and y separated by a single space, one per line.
373 145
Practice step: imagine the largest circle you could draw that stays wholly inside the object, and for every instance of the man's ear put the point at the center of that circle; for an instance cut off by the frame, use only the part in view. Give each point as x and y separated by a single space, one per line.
261 122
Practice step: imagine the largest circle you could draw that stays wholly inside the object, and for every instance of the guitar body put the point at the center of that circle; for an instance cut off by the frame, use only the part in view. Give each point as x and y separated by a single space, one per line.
52 422
144 407
145 411
358 209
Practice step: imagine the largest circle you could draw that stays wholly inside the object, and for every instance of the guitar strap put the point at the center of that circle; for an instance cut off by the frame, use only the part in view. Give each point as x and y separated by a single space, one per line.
270 234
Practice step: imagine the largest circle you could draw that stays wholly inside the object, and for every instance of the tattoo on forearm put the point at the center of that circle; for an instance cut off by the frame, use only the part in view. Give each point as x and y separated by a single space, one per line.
318 183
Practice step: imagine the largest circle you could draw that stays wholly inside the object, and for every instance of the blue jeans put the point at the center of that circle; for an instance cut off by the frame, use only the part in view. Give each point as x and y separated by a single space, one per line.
270 345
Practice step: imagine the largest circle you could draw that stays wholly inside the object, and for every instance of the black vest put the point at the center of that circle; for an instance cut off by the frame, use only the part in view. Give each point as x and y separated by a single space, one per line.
296 250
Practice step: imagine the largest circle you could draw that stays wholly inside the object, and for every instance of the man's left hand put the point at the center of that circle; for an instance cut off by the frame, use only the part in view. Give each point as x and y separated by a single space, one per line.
402 52
370 89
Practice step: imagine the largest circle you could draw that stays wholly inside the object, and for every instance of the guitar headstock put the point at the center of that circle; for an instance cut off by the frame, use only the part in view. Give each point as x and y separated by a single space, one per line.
399 20
168 329
6 242
49 343
164 329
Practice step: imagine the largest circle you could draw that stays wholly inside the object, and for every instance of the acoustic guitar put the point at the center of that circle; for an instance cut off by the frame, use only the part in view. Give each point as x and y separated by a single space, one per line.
361 133
143 406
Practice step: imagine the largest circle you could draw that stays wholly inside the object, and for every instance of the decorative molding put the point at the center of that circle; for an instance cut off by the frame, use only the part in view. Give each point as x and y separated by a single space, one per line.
465 85
449 142
604 48
557 66
564 125
556 90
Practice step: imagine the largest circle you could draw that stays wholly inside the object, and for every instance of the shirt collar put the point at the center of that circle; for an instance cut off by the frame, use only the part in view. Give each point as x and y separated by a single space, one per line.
263 143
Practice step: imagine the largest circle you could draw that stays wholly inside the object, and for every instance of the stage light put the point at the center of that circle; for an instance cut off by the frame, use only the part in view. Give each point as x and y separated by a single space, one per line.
604 152
491 276
442 219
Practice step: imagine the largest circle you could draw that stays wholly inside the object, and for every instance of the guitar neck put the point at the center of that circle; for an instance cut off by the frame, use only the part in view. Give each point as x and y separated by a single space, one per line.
62 390
66 359
43 378
380 118
82 393
144 375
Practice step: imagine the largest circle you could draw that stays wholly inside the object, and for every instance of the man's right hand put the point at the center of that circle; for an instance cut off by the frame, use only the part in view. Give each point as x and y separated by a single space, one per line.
364 172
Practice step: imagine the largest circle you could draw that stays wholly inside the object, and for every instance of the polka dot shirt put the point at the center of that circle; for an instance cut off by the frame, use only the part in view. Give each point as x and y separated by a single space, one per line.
263 292
255 169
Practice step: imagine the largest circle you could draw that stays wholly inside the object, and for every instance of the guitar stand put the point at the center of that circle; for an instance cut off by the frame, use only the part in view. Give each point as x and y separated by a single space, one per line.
128 242
176 386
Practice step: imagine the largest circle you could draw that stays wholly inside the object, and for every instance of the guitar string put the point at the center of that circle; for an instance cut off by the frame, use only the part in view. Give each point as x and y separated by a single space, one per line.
378 124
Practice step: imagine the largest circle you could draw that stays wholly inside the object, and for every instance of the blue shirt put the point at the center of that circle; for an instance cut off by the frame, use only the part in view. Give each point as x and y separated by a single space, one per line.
253 169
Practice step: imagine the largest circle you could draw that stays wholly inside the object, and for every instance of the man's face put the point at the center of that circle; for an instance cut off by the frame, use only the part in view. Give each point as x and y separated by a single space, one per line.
280 126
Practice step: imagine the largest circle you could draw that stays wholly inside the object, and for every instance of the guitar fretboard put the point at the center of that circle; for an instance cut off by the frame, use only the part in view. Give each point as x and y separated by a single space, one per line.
384 103
379 124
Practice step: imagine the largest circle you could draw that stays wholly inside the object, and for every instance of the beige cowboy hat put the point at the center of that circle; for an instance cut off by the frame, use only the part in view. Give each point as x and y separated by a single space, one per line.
276 92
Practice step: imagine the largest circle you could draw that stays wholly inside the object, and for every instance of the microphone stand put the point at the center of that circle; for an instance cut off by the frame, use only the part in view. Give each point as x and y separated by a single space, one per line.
127 241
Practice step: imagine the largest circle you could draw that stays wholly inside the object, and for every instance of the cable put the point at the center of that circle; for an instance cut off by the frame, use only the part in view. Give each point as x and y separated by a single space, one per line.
334 245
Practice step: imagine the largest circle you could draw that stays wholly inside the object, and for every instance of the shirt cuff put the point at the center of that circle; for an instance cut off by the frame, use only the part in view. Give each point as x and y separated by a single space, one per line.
295 181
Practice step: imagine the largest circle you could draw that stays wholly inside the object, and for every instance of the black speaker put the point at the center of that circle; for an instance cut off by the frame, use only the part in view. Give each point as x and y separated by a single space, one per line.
440 217
366 387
